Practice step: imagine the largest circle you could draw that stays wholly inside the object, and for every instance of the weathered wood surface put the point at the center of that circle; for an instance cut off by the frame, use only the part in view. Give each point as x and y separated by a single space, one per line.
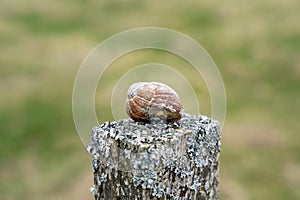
134 160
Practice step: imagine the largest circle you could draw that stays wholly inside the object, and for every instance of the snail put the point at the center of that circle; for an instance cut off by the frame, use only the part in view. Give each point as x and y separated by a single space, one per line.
152 100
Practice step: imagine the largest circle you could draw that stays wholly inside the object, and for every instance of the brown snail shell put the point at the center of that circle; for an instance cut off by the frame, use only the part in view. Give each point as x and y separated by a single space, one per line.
148 100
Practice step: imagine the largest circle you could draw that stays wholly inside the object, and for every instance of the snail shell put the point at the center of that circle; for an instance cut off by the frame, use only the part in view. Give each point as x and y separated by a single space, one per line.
148 100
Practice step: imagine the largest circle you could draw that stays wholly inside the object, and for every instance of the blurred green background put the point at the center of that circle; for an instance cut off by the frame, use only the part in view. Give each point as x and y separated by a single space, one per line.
255 44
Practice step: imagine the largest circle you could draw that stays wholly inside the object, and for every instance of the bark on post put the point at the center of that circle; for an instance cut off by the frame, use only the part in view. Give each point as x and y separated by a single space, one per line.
134 160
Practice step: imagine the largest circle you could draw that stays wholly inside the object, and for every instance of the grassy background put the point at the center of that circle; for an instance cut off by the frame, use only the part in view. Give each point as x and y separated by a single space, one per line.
255 44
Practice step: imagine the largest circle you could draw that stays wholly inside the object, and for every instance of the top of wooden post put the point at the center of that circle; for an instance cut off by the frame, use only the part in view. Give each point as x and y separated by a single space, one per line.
176 160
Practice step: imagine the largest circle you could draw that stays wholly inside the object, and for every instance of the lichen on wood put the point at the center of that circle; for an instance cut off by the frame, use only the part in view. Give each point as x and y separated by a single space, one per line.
156 160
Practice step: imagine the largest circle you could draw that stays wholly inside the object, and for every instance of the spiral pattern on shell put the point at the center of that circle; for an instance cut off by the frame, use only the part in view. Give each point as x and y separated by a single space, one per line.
148 100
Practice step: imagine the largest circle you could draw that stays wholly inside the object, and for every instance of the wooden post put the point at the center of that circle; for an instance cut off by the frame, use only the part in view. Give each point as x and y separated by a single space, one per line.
157 160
